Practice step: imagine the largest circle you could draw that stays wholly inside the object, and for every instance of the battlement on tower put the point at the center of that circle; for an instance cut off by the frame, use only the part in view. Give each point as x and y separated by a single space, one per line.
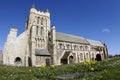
44 13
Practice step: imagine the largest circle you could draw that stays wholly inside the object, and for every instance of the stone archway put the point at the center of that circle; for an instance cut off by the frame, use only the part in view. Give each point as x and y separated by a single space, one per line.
98 57
68 58
71 59
64 61
18 61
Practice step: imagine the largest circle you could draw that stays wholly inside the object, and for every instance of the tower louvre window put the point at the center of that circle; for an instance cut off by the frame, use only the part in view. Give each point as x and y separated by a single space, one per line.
38 19
37 30
41 21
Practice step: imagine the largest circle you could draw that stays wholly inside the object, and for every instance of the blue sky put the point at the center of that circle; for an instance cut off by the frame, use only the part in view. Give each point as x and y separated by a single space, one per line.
92 19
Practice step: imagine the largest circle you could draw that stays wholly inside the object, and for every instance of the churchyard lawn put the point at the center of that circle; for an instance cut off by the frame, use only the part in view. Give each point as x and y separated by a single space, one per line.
103 70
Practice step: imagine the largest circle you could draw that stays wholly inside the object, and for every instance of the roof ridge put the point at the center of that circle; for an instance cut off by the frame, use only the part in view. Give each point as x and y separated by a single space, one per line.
70 35
71 38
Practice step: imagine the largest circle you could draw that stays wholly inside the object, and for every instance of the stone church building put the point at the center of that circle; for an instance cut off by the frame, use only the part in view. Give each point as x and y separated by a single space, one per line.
42 44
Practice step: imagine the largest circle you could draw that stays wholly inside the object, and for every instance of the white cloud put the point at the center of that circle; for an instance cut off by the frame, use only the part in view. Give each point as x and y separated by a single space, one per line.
106 30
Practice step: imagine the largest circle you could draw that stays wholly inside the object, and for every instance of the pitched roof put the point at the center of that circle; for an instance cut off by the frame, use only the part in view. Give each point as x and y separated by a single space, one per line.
41 52
95 43
70 38
66 54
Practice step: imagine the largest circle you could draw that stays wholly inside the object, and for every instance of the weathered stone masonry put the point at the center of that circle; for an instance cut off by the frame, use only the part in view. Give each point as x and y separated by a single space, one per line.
41 44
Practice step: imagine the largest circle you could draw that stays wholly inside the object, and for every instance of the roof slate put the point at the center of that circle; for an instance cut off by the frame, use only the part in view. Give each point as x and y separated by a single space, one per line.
65 55
70 38
95 43
41 52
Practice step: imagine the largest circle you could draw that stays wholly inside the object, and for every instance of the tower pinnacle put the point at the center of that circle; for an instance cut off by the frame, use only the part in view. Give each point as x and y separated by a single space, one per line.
47 10
33 6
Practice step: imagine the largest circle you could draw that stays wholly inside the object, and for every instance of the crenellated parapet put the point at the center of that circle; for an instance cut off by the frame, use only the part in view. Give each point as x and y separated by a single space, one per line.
38 18
44 13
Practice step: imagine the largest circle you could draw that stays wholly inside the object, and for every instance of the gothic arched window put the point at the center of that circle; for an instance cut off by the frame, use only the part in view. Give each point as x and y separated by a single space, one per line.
38 19
37 30
81 57
68 46
86 47
41 31
75 46
81 47
42 21
60 45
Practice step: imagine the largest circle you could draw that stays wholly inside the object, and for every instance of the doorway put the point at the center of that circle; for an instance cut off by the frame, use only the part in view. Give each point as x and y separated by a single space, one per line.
18 61
71 60
98 57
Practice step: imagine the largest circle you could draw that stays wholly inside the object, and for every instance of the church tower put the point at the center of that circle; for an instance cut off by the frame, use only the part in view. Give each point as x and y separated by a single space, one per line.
38 26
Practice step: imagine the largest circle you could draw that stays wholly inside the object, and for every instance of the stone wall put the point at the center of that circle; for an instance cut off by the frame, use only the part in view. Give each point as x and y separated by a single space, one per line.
82 52
18 49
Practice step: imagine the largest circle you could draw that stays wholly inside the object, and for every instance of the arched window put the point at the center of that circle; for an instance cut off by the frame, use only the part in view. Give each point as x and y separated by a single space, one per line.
30 32
60 45
41 31
81 48
38 19
86 47
42 21
37 30
68 46
75 46
81 57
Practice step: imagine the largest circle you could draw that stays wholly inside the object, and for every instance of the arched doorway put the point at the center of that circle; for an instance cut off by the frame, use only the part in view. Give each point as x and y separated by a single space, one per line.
18 61
63 61
47 62
29 61
71 60
98 57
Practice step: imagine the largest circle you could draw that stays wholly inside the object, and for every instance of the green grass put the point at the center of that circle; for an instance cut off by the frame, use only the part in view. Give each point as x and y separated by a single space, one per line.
104 70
